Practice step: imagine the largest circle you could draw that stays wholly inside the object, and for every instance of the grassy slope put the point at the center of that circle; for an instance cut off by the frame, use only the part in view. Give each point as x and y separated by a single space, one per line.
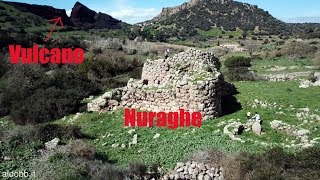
174 145
28 21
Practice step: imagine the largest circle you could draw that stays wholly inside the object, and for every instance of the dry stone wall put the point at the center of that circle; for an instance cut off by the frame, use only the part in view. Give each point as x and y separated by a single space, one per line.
190 80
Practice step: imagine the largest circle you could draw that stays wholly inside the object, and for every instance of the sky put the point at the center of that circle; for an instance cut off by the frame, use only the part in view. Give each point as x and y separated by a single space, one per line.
133 11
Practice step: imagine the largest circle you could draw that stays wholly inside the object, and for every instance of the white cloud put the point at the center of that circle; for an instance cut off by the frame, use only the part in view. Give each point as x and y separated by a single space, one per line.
69 12
303 20
135 15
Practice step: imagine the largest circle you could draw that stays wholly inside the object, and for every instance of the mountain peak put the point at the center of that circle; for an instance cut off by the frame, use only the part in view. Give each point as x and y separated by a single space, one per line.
227 15
78 3
83 17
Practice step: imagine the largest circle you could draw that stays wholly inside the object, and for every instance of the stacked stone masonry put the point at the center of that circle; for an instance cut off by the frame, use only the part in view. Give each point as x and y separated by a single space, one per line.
190 80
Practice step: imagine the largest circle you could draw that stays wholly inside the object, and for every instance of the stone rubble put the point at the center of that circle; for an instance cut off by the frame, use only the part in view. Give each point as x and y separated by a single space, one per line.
308 83
293 130
195 171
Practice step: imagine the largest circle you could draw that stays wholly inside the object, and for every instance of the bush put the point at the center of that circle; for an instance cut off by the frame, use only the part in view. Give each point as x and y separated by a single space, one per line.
116 46
298 49
131 51
9 19
239 74
237 61
273 164
31 96
96 50
81 149
138 169
66 42
22 135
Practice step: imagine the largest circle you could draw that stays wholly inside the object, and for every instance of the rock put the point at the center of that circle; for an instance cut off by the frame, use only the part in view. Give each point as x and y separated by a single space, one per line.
201 166
275 124
256 128
112 103
7 158
179 169
180 164
115 145
52 144
107 95
302 132
131 131
201 176
206 177
156 136
101 102
83 17
135 139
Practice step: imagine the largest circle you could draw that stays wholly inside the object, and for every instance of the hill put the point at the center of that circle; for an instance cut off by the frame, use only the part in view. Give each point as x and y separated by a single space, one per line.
194 17
227 14
81 16
45 12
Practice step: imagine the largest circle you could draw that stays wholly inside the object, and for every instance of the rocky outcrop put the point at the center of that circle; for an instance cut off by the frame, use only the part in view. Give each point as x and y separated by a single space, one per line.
83 17
168 11
190 80
46 12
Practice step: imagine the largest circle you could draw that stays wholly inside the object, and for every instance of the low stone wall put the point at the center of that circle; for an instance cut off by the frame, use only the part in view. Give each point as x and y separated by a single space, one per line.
285 77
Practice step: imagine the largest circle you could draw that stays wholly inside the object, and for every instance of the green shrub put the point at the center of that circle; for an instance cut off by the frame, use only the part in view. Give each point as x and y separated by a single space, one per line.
139 169
239 74
31 96
237 61
276 163
66 42
81 149
238 69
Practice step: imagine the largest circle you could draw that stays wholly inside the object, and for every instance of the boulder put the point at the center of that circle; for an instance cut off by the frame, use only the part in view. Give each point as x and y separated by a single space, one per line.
52 144
256 128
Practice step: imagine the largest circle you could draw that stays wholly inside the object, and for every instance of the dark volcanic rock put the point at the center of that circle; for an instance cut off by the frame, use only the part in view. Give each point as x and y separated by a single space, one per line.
83 17
46 12
106 21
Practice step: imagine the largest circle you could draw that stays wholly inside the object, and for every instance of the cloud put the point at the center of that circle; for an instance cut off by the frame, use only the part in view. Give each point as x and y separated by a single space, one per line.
303 20
135 15
69 12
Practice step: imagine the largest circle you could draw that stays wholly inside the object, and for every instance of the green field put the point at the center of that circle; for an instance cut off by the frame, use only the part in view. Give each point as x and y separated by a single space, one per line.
284 65
175 145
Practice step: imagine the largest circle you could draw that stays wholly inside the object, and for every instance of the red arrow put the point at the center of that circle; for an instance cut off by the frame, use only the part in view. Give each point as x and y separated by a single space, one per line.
56 21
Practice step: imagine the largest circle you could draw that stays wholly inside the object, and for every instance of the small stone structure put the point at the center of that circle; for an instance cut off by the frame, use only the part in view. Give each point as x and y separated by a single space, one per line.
190 80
